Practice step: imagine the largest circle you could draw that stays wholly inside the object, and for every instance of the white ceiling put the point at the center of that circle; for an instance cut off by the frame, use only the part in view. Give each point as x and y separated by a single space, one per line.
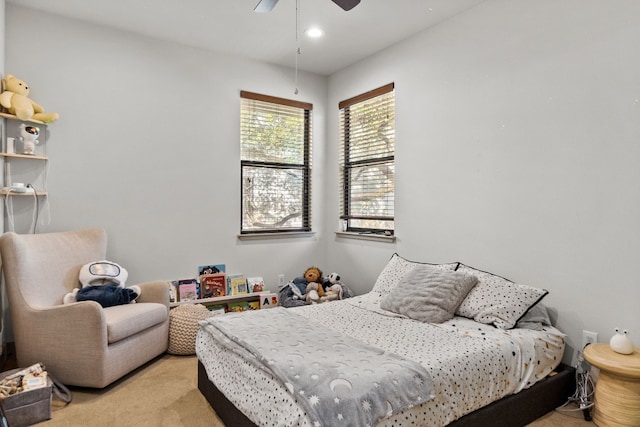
231 26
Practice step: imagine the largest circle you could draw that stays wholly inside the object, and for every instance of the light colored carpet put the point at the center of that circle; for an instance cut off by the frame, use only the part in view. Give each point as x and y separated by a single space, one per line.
165 392
564 419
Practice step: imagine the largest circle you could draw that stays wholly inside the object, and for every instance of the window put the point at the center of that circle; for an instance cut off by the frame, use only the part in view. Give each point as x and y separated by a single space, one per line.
367 165
275 153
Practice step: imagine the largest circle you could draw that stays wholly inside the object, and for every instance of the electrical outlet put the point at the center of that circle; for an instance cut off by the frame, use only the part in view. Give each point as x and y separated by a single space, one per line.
280 280
589 337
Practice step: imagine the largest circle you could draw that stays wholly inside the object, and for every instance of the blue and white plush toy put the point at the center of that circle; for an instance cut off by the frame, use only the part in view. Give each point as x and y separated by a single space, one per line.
103 282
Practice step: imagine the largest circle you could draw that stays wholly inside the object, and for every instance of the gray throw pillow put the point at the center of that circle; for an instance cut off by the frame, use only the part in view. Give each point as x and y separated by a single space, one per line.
396 269
429 295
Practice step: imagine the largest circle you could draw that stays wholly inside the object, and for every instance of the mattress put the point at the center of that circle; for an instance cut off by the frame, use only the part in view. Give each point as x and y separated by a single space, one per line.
471 364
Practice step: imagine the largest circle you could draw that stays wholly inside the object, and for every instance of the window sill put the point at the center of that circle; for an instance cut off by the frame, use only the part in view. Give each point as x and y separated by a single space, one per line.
366 236
283 235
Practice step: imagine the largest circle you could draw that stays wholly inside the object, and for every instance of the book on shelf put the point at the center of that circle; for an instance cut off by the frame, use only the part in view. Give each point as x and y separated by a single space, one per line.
211 269
217 309
173 290
237 306
254 305
255 284
213 285
268 300
237 285
187 290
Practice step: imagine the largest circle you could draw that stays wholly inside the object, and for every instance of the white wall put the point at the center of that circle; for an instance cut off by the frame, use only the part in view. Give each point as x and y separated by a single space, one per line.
147 145
517 152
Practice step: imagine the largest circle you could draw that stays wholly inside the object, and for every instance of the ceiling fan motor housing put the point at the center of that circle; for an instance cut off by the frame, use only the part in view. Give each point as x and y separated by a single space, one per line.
267 5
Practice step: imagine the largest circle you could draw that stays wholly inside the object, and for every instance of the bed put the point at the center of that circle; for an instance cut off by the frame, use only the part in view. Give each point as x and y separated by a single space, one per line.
493 359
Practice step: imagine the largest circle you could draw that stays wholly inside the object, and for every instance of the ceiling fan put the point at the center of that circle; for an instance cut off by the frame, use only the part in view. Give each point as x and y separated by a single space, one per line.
267 5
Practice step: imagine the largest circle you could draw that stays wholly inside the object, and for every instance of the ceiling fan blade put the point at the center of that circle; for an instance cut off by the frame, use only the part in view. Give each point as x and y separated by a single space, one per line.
265 6
346 4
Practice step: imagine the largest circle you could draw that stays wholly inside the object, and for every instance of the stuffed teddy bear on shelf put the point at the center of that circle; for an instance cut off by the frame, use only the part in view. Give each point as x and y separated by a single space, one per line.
15 98
103 282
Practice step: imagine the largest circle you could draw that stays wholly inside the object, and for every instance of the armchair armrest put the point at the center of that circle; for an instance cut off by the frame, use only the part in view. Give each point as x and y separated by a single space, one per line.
79 326
156 291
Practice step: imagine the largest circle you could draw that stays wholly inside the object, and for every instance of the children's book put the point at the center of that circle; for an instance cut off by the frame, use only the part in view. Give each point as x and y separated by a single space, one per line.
255 284
254 305
217 309
237 306
173 290
237 284
187 289
213 285
211 269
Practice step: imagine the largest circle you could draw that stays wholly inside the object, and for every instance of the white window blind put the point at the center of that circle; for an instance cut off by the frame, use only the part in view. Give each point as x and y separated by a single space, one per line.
367 161
275 152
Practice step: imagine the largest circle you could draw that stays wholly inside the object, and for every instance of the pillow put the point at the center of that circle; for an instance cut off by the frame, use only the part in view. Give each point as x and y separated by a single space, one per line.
536 318
396 268
428 294
496 300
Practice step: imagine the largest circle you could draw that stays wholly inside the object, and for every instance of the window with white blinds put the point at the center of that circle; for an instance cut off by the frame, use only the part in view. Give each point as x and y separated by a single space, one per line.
275 153
367 165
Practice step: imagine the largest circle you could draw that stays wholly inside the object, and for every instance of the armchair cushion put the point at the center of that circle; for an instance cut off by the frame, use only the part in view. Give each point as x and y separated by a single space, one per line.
126 320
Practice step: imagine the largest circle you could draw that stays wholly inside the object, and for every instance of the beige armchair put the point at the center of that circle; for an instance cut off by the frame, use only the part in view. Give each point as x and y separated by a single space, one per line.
81 344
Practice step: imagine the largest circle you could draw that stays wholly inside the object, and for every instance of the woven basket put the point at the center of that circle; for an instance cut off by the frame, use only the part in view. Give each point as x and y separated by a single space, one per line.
183 327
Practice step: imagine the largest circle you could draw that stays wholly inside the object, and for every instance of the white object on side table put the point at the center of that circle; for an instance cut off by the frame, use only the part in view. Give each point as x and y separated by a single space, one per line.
621 343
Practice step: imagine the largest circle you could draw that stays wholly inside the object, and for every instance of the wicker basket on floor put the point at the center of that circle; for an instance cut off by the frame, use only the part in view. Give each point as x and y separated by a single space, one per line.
183 327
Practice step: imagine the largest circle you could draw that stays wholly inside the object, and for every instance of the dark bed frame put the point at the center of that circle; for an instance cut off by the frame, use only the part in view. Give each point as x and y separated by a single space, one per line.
511 411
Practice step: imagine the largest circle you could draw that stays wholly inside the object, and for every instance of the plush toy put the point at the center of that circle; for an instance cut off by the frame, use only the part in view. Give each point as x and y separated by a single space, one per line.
29 137
103 282
330 280
313 276
299 292
312 296
333 293
298 287
332 288
15 98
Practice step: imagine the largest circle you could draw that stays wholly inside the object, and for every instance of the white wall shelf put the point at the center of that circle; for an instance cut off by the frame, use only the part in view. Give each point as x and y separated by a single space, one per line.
225 299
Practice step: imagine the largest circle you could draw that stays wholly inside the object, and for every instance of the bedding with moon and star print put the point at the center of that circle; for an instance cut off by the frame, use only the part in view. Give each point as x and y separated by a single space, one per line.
471 364
340 381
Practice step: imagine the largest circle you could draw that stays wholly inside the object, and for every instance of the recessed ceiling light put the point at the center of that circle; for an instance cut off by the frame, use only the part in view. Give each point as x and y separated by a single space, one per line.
314 32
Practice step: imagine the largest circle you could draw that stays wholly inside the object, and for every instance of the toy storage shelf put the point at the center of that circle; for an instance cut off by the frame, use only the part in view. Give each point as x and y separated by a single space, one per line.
12 117
227 298
24 156
5 192
10 125
7 177
18 167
